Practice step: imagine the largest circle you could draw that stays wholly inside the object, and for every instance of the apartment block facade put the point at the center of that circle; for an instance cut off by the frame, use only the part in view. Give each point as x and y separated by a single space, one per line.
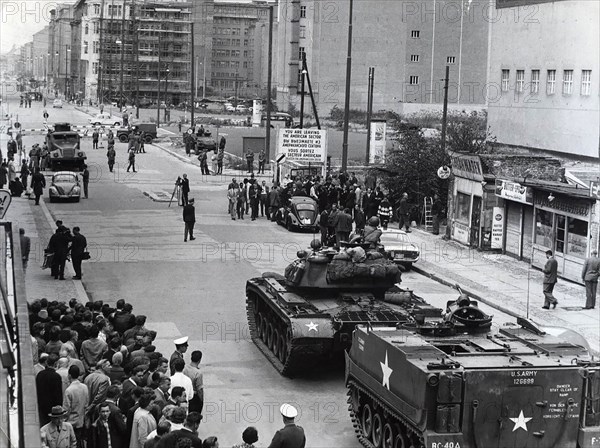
409 44
239 48
59 47
41 54
547 92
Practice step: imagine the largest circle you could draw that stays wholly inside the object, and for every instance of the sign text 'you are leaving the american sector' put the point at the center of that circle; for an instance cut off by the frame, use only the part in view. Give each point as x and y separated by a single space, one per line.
303 145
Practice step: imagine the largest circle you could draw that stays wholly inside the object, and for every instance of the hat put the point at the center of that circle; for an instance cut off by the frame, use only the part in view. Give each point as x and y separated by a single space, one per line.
288 411
181 341
57 411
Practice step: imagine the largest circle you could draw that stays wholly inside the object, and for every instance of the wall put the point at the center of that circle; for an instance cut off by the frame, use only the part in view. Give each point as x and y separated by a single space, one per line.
558 36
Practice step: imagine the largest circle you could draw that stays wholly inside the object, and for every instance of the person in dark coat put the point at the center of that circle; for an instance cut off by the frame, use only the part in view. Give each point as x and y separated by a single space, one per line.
4 174
589 275
343 226
59 246
185 189
291 435
95 138
131 159
49 387
189 431
189 218
38 183
24 173
111 154
106 426
85 176
78 246
359 219
550 276
404 213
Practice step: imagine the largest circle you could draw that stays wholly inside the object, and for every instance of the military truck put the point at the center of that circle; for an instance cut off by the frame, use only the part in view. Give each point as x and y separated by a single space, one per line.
64 147
522 386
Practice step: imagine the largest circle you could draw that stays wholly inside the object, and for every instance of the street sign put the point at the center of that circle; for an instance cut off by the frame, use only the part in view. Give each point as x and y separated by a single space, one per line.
280 158
443 172
5 199
303 145
16 125
595 190
190 131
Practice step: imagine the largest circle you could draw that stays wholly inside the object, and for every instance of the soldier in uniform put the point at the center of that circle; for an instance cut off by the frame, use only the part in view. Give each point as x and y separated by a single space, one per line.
181 346
291 435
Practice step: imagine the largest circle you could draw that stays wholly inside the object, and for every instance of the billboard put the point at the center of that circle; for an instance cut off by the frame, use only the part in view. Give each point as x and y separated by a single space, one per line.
377 142
497 228
302 145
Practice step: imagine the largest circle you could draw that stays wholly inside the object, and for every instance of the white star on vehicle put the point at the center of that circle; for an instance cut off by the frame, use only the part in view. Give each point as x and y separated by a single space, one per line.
385 368
520 421
312 326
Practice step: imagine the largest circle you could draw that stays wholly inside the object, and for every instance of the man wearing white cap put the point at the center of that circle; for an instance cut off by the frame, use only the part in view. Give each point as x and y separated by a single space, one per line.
291 435
181 346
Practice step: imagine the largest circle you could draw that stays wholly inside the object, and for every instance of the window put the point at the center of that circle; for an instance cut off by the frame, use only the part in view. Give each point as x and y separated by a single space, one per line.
463 204
415 34
85 47
577 237
96 47
551 82
301 53
299 77
96 27
451 60
245 64
520 80
302 12
413 80
567 82
245 42
96 8
505 80
87 29
414 58
535 81
95 68
302 32
586 82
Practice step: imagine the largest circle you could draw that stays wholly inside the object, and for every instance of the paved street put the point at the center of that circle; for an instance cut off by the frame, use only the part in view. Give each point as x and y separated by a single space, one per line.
197 288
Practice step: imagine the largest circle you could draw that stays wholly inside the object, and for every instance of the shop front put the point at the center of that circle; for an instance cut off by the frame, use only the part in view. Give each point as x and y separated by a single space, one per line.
517 201
473 201
563 224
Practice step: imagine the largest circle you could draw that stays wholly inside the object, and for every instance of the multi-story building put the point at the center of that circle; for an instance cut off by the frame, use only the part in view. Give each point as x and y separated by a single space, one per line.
59 47
409 44
27 60
239 48
547 92
41 54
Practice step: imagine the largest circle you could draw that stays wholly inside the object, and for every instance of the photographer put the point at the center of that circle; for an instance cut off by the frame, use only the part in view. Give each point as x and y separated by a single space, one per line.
185 189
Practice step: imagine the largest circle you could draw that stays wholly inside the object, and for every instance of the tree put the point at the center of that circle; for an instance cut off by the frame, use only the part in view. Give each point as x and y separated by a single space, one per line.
412 167
468 133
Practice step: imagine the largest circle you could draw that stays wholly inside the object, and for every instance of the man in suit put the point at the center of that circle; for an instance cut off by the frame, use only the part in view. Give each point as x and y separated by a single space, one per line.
97 383
161 393
49 389
185 189
550 276
58 433
78 246
189 431
291 435
590 274
189 219
119 434
104 432
75 402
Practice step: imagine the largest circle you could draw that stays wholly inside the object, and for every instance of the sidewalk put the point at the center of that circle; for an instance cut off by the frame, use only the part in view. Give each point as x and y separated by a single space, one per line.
39 226
506 284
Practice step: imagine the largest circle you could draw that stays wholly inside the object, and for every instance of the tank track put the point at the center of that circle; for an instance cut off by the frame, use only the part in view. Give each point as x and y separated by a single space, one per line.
298 357
398 422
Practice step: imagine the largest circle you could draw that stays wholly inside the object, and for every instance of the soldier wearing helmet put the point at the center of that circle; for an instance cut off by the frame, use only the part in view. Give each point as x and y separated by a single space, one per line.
372 232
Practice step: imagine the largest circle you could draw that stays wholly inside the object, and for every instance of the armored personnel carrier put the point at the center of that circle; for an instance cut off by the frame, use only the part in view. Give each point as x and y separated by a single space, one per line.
521 387
310 313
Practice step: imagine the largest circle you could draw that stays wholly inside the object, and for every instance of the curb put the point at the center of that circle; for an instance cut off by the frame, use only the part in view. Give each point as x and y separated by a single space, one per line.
154 197
82 295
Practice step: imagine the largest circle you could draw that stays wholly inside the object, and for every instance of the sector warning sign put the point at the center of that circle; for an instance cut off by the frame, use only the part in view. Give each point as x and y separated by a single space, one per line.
303 145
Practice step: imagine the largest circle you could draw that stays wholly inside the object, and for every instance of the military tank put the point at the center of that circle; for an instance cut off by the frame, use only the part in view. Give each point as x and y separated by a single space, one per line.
522 386
309 313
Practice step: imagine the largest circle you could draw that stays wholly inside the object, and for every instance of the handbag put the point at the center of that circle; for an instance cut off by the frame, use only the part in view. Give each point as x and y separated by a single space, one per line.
48 258
85 255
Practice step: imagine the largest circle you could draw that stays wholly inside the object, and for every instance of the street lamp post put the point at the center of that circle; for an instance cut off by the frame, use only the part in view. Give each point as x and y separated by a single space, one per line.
122 44
67 50
166 94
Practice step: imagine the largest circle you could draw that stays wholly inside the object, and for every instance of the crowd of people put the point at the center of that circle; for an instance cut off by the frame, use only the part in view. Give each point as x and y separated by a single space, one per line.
101 383
343 203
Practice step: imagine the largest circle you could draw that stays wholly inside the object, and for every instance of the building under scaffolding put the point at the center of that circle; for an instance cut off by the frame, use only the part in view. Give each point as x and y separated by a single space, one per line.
133 48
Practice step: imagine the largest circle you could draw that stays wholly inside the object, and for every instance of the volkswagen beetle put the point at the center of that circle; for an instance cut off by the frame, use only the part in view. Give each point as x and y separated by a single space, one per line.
65 185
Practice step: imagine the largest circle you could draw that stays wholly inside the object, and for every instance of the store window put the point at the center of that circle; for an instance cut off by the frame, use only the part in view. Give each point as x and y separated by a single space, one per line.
543 228
463 204
577 237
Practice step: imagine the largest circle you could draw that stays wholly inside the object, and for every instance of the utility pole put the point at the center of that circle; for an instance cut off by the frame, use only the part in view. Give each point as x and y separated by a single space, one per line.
122 54
269 81
445 111
66 68
302 77
99 94
347 96
193 77
369 111
158 83
137 59
166 93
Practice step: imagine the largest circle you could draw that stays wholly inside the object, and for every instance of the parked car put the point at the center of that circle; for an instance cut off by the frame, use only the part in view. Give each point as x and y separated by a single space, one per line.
299 214
229 107
241 108
399 248
64 185
105 119
57 103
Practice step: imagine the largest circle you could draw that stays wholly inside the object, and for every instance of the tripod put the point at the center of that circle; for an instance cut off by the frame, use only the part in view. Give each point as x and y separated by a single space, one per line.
177 190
